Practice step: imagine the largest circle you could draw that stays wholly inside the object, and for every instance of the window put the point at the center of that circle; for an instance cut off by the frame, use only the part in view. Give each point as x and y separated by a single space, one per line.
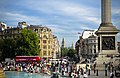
48 52
44 36
49 41
95 51
44 41
44 30
38 35
44 47
48 46
36 30
44 53
39 41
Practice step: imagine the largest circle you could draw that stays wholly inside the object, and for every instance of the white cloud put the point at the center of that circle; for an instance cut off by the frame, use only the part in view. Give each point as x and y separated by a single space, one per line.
116 11
85 27
64 17
17 17
93 19
63 8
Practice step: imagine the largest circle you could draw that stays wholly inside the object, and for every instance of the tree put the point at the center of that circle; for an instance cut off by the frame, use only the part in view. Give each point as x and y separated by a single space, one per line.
1 48
8 48
64 51
72 54
28 43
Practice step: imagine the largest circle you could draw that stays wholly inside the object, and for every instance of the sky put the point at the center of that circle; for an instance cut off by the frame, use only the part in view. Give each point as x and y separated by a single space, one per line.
65 17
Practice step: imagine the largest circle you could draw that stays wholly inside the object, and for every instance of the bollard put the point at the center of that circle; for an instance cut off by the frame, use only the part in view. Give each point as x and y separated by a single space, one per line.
105 72
89 72
97 72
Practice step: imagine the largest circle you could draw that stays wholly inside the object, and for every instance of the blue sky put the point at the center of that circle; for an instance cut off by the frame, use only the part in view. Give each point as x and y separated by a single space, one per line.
65 17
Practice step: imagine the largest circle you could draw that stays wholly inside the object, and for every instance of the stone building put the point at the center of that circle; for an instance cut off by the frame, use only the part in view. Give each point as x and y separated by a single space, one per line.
45 40
3 26
45 35
86 46
91 46
22 24
79 48
118 44
56 47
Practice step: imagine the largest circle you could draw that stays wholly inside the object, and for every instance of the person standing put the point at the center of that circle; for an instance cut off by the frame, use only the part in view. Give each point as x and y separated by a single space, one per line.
79 72
94 65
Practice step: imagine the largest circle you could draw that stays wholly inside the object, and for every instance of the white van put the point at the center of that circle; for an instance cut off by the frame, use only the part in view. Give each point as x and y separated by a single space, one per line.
57 60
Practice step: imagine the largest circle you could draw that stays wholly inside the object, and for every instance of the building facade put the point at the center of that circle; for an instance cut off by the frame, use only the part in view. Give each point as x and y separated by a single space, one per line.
87 45
91 44
118 44
56 47
46 39
3 26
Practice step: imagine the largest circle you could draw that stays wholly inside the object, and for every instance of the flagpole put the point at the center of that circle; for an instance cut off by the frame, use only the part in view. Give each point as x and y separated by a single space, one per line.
79 49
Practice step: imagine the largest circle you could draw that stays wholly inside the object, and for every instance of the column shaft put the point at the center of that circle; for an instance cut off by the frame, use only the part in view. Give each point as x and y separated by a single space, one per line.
106 11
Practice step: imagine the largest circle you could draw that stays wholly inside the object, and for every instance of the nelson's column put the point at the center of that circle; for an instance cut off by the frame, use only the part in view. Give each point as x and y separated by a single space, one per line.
107 36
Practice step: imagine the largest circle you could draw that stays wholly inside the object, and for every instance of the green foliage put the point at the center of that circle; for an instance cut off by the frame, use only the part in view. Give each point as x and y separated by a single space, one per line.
1 48
70 53
8 47
28 43
64 51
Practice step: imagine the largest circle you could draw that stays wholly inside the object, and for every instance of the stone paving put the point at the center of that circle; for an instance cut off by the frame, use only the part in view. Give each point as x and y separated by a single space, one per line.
101 74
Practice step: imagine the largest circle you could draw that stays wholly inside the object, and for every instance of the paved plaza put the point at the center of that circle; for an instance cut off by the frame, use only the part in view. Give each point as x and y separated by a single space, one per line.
101 74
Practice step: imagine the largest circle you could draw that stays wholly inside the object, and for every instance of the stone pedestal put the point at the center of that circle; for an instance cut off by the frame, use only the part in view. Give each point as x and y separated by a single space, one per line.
107 49
107 36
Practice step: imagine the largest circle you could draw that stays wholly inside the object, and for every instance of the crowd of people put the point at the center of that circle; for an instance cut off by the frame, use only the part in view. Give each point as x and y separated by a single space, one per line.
54 69
66 68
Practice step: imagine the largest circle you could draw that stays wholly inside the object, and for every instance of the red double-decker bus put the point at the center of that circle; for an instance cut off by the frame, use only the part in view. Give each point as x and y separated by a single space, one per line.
27 59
